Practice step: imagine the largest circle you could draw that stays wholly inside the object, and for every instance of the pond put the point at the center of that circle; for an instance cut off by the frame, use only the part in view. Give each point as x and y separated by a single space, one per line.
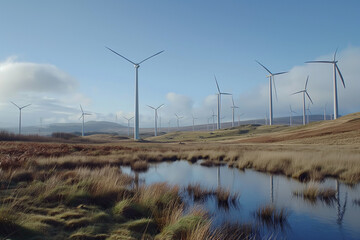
338 219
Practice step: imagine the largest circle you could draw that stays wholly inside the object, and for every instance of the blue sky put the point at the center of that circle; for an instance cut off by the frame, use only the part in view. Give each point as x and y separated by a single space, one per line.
62 45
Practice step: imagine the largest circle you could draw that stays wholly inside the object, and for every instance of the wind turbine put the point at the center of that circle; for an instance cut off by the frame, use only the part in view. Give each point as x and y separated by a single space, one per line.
136 65
178 118
271 77
233 109
128 119
213 117
155 110
336 68
83 118
219 103
307 94
291 112
20 108
239 117
308 115
193 122
169 125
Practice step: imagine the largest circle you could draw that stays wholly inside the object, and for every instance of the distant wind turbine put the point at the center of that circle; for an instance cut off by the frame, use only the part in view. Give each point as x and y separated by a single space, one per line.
83 119
308 114
136 65
271 77
193 118
291 112
20 108
336 69
239 117
128 120
213 117
233 110
156 116
219 103
178 118
307 94
325 112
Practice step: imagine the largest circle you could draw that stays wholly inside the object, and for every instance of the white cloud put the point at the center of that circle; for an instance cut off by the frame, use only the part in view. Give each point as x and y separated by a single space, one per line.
20 77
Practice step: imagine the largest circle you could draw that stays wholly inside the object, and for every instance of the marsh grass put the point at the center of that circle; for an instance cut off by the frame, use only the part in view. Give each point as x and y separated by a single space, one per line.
271 215
312 192
140 166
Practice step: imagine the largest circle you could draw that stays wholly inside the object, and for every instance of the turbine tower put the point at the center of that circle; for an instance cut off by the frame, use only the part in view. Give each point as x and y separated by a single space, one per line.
213 118
20 108
307 94
83 119
136 65
156 116
128 119
336 69
177 119
239 117
271 77
193 122
291 112
219 103
325 112
233 110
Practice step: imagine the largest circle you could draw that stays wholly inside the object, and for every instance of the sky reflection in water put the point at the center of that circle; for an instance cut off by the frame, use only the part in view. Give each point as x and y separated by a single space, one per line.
339 219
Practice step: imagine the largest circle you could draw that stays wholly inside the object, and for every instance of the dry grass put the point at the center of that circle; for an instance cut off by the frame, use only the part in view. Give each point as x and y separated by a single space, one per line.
312 192
140 166
269 214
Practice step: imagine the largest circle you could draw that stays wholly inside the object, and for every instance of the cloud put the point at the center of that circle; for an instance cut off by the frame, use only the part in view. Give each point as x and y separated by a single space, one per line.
20 77
179 104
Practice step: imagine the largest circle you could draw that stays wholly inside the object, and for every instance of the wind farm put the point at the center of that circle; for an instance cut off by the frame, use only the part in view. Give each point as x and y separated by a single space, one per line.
163 152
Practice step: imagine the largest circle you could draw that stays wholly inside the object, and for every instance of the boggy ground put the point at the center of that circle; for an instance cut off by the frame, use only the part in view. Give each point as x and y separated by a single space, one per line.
45 201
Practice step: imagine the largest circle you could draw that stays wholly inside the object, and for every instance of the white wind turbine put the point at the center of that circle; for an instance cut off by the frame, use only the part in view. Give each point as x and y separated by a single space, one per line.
128 120
83 119
241 114
325 112
213 118
20 108
308 114
193 118
271 77
136 65
177 119
291 112
307 94
219 103
156 116
336 68
233 110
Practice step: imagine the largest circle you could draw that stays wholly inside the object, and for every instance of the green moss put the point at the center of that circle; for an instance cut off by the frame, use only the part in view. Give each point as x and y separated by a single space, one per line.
179 229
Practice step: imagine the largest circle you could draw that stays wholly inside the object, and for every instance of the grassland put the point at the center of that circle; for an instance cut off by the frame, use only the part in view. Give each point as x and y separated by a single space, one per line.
57 188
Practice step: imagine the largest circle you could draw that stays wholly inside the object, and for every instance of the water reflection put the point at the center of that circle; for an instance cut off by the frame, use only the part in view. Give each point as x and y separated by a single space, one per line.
317 220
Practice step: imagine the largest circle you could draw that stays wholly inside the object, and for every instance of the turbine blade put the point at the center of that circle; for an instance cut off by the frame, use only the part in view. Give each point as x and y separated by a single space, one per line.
25 106
307 79
126 118
87 114
150 107
160 106
319 62
81 109
341 77
151 57
15 105
297 92
232 98
81 116
264 67
131 118
335 53
217 85
121 56
224 93
309 97
176 115
279 73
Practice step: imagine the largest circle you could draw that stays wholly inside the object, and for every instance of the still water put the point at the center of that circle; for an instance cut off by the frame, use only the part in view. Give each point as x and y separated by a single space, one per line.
339 219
